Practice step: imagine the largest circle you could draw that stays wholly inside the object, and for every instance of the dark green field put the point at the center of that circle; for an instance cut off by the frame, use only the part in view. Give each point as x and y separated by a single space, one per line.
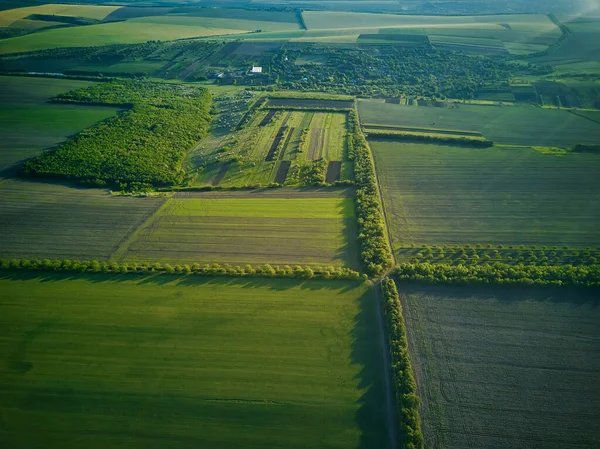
31 124
160 362
441 194
501 367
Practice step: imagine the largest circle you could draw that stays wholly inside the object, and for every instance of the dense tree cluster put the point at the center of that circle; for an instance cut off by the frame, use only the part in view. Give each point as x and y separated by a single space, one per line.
500 273
313 173
472 141
375 249
145 144
78 266
390 70
407 401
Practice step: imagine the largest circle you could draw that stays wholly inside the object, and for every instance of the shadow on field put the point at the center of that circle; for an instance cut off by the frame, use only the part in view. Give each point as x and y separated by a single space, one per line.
508 294
185 281
366 352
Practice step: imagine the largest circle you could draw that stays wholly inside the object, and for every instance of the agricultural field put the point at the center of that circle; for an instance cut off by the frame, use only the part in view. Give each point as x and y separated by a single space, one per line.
496 34
307 227
129 28
31 124
491 359
102 361
47 221
513 125
443 194
277 146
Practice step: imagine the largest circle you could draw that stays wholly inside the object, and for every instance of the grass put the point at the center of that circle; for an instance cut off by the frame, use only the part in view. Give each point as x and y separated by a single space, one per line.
195 362
492 359
275 227
440 194
30 124
501 124
41 221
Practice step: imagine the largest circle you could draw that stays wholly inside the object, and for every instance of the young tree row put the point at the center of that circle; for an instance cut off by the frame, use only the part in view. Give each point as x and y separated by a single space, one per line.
407 401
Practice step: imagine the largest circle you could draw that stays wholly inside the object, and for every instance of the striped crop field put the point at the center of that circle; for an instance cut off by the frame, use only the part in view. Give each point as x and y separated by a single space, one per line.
442 194
488 359
144 362
249 228
40 221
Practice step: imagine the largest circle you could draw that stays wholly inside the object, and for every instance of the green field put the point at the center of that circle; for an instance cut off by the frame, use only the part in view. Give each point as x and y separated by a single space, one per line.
501 367
515 125
192 362
30 124
8 17
439 194
41 221
274 226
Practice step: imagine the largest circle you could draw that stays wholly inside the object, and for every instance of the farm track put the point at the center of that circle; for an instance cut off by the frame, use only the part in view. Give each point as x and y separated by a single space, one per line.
287 192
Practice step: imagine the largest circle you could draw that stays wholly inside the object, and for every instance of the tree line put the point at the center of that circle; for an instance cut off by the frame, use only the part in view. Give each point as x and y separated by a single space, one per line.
375 252
215 269
145 144
500 273
407 400
471 141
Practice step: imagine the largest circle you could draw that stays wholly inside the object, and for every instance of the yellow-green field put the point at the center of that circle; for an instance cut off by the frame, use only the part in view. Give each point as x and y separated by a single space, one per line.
277 227
150 362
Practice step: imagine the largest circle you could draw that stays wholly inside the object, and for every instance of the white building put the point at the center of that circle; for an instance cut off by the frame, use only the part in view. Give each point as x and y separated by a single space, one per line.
256 69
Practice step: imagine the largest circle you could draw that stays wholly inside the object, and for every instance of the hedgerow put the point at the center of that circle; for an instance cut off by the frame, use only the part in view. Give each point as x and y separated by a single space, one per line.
146 144
375 249
407 401
94 266
426 137
500 273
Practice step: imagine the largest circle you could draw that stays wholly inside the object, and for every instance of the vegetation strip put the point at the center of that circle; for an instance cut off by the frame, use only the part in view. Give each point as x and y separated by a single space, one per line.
215 269
407 401
500 273
142 147
375 253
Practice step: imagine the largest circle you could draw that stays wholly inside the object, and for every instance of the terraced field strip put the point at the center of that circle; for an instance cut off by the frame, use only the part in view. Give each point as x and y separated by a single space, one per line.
284 150
249 228
221 174
316 142
336 139
490 359
199 362
437 195
39 221
511 125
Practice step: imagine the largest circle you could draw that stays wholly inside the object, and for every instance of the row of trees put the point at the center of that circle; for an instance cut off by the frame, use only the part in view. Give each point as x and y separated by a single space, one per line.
407 401
267 270
500 273
471 141
146 144
375 249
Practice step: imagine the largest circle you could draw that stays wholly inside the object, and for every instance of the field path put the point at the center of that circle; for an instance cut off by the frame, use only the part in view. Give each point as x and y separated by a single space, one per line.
385 350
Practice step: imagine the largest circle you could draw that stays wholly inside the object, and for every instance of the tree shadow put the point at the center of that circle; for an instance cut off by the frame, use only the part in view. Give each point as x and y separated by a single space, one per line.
277 284
367 353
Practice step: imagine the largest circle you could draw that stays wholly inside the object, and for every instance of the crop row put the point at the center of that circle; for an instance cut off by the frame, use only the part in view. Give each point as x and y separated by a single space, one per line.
141 147
266 270
500 273
375 249
407 401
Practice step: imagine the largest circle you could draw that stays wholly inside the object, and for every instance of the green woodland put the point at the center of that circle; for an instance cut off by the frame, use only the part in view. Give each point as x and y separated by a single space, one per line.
144 146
